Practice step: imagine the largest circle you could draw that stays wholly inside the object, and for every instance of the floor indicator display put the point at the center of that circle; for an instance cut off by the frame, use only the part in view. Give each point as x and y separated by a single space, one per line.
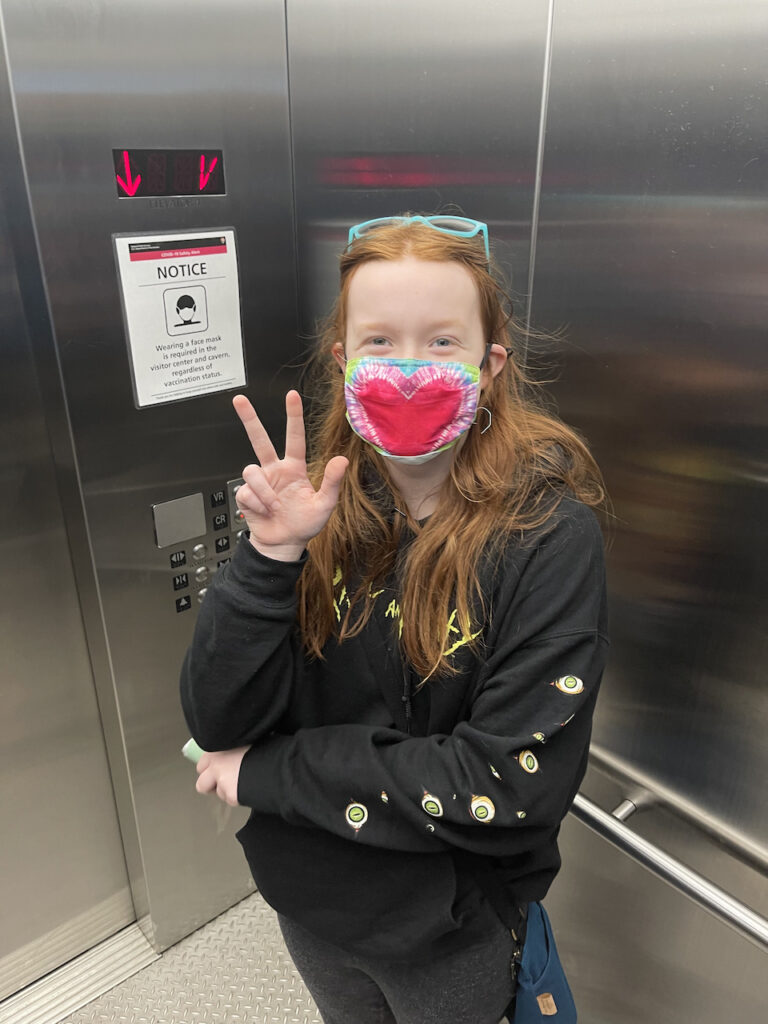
181 309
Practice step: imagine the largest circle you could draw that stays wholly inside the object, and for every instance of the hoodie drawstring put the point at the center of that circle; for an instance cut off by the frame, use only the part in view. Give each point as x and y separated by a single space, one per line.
406 699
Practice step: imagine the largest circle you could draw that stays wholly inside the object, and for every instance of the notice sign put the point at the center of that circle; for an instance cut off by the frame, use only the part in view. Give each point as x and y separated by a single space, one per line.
181 306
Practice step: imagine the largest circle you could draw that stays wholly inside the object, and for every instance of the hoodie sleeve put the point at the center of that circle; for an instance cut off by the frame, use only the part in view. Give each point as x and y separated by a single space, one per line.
501 781
238 674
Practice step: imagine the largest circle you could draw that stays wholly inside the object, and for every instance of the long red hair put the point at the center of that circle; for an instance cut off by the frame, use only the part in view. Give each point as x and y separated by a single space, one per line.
502 483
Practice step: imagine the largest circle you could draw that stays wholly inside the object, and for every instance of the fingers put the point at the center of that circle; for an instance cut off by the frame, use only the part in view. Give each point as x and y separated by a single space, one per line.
206 781
209 783
250 503
256 494
254 428
223 793
295 436
212 777
332 477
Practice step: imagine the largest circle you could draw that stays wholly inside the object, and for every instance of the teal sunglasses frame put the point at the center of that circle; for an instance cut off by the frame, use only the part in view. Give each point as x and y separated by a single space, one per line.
472 230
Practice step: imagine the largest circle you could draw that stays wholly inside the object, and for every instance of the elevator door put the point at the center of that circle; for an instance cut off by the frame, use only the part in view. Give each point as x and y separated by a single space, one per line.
94 84
63 881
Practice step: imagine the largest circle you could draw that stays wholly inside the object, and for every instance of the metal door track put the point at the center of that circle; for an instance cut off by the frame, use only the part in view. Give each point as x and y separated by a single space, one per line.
83 979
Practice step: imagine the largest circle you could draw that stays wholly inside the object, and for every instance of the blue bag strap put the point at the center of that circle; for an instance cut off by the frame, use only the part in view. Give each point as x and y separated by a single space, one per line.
538 944
543 989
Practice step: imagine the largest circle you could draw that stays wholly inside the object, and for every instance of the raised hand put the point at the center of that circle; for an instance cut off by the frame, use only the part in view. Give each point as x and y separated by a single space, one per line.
281 507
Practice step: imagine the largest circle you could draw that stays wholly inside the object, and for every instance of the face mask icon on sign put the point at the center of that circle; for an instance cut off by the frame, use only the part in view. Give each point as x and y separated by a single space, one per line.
185 310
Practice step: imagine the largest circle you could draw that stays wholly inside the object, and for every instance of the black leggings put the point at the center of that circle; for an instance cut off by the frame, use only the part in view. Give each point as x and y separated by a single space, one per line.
472 986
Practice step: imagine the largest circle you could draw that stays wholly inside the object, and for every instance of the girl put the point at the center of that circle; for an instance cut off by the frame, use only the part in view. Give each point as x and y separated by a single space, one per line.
399 666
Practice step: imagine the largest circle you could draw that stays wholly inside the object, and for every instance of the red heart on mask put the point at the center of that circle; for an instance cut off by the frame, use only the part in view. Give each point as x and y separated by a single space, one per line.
410 413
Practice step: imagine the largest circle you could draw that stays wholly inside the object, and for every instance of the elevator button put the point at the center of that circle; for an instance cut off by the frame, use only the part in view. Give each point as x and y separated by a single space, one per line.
178 520
183 604
199 551
202 573
240 534
181 580
239 517
232 487
201 594
178 558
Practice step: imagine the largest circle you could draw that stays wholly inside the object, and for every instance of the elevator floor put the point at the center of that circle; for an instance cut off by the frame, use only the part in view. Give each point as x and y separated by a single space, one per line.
234 970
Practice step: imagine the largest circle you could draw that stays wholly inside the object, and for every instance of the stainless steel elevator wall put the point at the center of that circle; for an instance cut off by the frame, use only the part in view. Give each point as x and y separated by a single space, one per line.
57 814
429 107
651 248
89 77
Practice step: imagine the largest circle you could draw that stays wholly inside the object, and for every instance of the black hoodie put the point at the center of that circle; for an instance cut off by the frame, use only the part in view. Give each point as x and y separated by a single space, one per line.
388 821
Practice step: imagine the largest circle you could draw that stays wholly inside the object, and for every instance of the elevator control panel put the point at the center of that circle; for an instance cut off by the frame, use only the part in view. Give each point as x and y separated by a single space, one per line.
201 529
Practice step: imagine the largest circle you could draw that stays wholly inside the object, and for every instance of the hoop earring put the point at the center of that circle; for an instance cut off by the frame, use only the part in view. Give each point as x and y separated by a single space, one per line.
490 419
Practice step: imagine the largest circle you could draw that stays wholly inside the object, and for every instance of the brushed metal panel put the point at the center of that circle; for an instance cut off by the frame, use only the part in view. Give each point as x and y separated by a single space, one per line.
179 520
63 881
635 951
90 77
683 840
651 248
82 980
420 107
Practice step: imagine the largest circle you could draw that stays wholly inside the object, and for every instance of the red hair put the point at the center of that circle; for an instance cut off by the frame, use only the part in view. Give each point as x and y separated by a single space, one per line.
501 484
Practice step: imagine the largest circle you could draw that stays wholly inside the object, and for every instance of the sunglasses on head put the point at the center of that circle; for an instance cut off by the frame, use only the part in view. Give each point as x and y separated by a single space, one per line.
461 227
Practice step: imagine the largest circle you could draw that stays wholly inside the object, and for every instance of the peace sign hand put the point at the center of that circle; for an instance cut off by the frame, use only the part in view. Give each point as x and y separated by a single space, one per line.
281 507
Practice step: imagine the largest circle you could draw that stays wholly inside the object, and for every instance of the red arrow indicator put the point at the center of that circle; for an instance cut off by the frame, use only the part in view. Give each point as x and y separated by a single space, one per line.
130 184
204 176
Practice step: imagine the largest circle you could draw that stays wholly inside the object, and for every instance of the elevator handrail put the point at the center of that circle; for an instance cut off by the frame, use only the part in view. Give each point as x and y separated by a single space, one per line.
656 792
706 894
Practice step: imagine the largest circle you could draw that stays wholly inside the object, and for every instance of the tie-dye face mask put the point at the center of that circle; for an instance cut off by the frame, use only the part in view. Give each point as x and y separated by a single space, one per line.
410 410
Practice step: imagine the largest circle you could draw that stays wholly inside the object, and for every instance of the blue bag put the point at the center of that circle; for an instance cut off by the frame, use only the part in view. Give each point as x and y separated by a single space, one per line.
542 988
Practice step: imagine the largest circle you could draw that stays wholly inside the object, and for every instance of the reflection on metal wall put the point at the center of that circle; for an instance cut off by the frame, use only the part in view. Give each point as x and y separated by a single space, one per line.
651 249
420 107
90 77
637 951
57 814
